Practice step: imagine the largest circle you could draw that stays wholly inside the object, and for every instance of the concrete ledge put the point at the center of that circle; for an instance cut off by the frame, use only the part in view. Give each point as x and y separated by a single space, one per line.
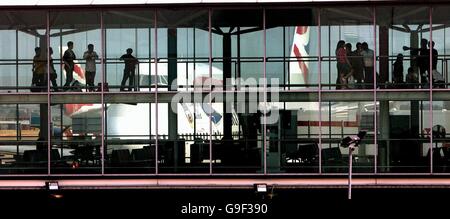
168 96
228 183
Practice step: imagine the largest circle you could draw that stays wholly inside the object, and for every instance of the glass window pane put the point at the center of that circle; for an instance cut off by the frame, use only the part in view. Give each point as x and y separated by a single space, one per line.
77 137
237 44
183 49
344 66
294 137
21 32
342 119
23 151
128 145
442 43
403 34
70 34
292 47
403 145
439 132
133 32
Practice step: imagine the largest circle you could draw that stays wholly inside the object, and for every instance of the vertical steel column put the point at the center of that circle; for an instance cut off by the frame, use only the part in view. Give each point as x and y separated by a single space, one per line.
172 75
227 69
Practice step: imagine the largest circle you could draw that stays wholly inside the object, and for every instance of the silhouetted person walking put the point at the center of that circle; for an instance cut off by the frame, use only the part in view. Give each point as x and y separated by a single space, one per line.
68 58
128 72
36 65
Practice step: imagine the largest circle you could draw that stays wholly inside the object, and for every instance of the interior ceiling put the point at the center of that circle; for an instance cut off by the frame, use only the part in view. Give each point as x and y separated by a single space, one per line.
250 19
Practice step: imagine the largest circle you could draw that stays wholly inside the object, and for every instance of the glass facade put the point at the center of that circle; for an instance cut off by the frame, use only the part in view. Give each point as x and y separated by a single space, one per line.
224 90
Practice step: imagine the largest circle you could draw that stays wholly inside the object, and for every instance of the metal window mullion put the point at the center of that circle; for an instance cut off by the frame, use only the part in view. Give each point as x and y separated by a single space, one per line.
49 110
156 92
375 115
210 89
430 76
320 90
103 109
265 93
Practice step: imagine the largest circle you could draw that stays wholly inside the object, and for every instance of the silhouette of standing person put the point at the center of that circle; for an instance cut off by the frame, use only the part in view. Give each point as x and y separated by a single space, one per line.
128 72
398 71
53 74
434 55
343 65
68 58
90 56
367 55
357 63
39 70
438 79
422 60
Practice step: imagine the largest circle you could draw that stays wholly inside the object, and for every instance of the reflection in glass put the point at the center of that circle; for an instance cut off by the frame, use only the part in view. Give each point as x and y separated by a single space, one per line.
128 146
293 139
440 34
76 138
342 119
292 47
182 48
404 136
237 45
25 149
440 128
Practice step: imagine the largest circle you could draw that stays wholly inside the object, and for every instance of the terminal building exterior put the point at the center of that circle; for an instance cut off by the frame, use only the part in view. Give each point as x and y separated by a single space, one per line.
223 94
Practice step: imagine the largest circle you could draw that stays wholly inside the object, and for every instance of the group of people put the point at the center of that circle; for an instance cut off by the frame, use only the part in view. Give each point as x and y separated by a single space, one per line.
420 59
39 79
354 67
